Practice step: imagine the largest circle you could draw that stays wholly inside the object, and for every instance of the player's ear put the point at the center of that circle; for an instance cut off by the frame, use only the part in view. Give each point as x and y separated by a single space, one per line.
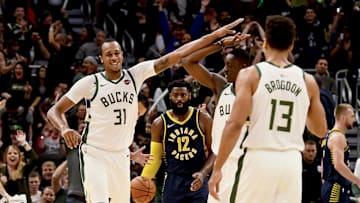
265 44
101 61
291 47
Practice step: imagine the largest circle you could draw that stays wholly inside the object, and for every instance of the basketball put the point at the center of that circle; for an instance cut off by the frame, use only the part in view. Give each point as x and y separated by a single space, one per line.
142 189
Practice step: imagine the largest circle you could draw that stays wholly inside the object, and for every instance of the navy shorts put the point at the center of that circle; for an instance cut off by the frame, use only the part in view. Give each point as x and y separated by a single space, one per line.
334 192
177 190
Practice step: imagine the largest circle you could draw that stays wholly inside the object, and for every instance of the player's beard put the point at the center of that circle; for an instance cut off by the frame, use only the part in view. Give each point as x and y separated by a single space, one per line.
349 126
180 110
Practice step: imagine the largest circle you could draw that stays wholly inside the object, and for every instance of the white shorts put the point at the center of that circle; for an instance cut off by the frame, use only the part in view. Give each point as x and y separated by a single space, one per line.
270 176
106 174
227 181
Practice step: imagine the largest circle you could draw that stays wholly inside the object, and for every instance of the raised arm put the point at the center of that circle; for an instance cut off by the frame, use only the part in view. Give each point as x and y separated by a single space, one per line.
175 56
192 65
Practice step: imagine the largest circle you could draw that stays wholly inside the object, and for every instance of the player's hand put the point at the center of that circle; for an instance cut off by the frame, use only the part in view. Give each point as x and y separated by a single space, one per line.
227 29
234 40
72 137
214 182
141 158
198 182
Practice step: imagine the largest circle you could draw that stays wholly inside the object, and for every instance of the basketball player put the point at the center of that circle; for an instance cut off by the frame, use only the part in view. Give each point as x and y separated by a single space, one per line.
183 136
223 90
336 172
112 112
280 99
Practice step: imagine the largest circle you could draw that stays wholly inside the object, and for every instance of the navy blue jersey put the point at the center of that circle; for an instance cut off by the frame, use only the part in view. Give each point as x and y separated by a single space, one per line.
183 143
329 172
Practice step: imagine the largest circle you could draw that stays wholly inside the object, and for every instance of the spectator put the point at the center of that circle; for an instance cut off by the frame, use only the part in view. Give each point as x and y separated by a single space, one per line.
47 171
48 145
88 66
16 169
311 177
91 48
61 60
20 29
327 82
34 186
48 195
59 182
311 42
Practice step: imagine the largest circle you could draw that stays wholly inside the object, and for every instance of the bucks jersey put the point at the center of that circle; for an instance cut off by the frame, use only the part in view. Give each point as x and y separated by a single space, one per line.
112 106
221 115
279 109
183 143
329 171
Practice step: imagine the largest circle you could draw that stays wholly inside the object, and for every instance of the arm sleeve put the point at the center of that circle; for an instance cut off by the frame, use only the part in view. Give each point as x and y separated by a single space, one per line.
153 166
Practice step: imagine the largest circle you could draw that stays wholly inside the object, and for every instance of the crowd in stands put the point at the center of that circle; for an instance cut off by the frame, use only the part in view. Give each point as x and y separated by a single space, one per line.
38 33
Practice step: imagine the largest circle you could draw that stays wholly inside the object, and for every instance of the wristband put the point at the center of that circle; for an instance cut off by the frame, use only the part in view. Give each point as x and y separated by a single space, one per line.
220 43
23 144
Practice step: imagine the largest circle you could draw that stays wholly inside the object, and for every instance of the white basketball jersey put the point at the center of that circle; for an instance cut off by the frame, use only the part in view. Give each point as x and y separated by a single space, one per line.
112 106
221 115
279 109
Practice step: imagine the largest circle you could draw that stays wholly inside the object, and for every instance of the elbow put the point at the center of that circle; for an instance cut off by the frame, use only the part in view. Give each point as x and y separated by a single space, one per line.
50 113
321 132
186 62
338 167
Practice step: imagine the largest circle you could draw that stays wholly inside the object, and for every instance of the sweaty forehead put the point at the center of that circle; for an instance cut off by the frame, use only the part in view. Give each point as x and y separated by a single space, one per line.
109 47
179 90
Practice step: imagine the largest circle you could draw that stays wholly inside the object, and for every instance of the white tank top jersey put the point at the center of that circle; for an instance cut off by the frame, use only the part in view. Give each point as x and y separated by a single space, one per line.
221 115
279 109
112 108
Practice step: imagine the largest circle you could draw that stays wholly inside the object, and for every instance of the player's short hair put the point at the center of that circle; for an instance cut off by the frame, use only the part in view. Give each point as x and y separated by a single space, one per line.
179 83
280 32
341 108
241 54
108 40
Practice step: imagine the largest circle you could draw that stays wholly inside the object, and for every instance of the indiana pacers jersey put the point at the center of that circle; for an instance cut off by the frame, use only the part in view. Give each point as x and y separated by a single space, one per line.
279 109
221 115
183 143
329 172
112 108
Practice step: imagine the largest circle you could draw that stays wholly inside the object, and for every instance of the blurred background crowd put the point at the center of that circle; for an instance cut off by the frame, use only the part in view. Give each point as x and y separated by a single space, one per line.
46 46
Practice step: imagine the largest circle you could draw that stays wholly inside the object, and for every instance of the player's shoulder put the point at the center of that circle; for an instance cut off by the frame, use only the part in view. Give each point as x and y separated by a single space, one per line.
141 65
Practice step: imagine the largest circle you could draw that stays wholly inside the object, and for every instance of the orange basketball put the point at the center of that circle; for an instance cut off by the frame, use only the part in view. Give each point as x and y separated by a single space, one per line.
142 189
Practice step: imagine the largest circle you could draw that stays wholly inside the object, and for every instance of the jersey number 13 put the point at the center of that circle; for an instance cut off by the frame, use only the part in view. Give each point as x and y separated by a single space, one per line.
285 115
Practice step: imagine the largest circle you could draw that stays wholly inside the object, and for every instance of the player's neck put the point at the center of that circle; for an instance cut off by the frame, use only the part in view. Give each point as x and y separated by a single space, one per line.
113 75
180 117
279 58
340 127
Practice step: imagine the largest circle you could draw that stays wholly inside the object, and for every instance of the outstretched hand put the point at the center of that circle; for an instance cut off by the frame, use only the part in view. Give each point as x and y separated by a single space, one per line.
235 40
139 157
227 29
